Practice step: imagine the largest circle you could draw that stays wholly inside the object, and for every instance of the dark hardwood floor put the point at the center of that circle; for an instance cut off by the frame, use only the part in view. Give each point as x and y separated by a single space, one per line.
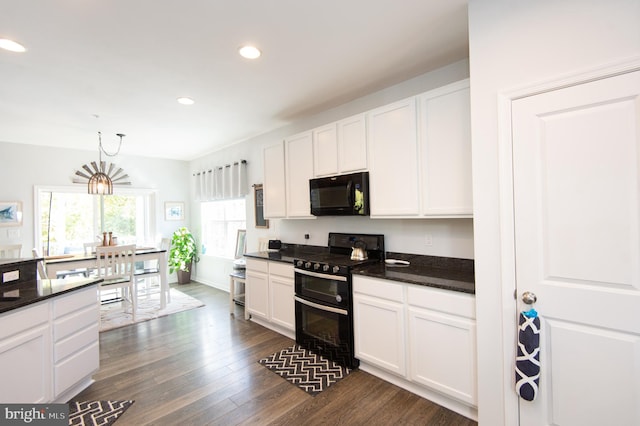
199 367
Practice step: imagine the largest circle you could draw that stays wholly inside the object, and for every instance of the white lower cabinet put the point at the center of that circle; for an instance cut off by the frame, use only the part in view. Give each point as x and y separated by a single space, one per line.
256 288
76 352
25 355
50 350
269 290
419 338
281 295
379 325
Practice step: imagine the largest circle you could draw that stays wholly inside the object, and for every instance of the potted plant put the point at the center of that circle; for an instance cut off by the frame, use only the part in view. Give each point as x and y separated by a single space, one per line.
182 254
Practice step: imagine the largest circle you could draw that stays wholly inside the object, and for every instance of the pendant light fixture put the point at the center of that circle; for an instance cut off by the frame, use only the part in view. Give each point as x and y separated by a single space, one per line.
102 177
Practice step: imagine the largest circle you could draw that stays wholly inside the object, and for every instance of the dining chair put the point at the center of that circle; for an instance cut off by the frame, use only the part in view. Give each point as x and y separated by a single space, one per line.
10 251
149 274
42 270
116 266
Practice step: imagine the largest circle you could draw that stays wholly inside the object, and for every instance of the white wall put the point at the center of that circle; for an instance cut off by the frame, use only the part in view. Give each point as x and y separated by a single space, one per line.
25 166
451 237
514 45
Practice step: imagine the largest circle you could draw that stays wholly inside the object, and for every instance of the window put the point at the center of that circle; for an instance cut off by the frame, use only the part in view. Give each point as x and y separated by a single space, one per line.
220 223
69 217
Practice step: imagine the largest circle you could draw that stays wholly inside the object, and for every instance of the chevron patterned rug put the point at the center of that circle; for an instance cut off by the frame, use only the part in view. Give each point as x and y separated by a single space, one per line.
310 372
94 413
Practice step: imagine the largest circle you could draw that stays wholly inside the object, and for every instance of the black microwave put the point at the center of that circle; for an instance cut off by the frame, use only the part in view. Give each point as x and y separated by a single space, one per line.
343 195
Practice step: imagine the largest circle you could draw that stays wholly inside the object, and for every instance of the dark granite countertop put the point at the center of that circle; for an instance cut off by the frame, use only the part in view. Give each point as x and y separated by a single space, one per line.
287 253
440 272
432 271
24 294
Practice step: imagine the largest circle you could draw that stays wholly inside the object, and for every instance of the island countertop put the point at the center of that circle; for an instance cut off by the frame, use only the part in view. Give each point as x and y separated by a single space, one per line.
24 294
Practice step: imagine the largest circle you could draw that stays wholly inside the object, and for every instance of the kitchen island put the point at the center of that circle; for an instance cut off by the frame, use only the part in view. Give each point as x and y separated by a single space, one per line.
49 346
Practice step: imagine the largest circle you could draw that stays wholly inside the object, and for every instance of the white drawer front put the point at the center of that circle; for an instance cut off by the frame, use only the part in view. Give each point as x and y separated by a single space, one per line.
378 288
74 301
76 368
282 269
75 322
451 302
257 265
75 342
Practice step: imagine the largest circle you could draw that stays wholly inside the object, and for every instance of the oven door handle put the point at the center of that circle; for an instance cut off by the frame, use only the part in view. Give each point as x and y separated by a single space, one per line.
321 307
319 275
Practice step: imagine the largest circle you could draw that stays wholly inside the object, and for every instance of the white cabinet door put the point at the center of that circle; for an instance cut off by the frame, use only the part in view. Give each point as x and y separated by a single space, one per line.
576 181
443 355
352 144
393 144
274 182
282 303
325 150
257 288
25 355
378 317
445 151
299 163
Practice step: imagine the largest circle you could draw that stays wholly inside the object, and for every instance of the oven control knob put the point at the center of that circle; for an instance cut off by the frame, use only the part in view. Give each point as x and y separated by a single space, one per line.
336 269
338 298
307 265
316 266
325 268
299 263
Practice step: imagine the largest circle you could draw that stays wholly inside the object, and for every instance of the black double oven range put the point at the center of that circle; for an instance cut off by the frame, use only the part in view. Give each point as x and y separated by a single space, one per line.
324 297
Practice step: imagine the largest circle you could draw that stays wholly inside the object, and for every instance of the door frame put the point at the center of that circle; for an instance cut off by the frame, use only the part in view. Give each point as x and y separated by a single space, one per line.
509 298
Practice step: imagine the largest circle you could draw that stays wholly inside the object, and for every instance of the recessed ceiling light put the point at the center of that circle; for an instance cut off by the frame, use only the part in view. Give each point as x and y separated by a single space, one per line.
11 45
186 101
250 52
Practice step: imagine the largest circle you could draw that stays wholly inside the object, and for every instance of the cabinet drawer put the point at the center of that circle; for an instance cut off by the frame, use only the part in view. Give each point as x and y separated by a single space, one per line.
75 301
378 288
450 302
257 265
75 342
75 322
282 269
75 368
24 319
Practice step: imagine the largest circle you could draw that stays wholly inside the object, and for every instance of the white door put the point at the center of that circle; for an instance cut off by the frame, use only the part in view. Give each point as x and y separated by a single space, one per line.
577 212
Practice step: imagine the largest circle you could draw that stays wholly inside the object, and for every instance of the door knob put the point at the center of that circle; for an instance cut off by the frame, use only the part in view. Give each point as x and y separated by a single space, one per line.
529 298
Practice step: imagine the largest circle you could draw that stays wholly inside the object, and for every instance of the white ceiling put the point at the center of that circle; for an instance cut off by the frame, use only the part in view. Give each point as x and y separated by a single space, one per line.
128 60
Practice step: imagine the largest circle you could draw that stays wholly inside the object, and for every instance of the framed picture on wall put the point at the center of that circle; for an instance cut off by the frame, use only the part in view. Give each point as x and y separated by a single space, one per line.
174 210
10 213
258 198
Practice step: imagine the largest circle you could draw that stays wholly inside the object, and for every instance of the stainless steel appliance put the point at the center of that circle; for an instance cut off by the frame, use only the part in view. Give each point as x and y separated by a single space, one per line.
343 195
323 296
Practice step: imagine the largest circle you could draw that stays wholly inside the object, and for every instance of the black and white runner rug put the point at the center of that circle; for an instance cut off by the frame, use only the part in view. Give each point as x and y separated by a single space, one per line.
102 413
310 372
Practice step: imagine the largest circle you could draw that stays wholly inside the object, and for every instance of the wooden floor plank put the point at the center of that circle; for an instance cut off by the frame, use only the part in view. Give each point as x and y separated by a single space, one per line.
200 367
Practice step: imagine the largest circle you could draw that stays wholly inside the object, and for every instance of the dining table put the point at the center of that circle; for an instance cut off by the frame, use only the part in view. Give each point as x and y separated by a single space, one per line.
66 262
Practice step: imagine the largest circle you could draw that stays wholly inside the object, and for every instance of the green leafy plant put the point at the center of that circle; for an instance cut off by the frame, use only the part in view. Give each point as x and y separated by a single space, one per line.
183 250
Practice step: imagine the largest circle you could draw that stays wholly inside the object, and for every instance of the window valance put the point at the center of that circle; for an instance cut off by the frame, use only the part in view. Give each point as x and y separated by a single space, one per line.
222 183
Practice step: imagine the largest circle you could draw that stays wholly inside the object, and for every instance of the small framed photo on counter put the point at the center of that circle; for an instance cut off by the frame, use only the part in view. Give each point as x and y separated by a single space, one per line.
174 210
10 213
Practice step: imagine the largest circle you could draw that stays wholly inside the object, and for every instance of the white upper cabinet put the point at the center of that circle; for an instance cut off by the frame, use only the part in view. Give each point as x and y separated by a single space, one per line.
274 182
325 150
299 169
340 147
393 160
445 151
